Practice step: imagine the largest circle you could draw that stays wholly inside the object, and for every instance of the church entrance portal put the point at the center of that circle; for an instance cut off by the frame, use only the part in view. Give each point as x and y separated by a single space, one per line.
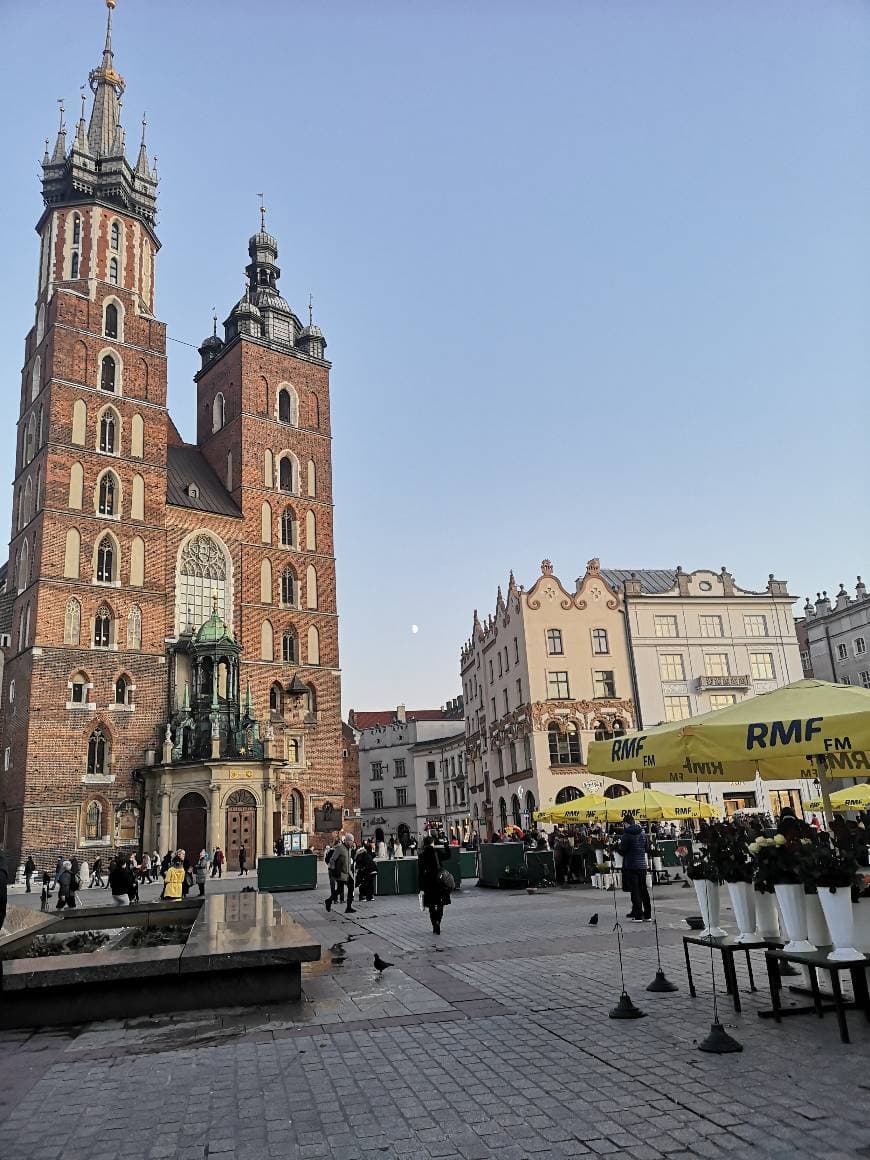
191 831
241 828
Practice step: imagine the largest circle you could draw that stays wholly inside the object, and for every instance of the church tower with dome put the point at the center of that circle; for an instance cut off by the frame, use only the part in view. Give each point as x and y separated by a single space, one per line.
171 672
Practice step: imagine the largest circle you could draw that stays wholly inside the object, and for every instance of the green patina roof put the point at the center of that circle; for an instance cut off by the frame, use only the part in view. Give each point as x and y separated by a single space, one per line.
213 630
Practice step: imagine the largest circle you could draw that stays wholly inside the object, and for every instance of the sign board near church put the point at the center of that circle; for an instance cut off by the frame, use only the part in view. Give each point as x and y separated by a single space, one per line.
327 819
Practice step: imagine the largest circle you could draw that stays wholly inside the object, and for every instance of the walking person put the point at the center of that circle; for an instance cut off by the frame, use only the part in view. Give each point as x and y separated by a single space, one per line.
64 878
96 873
435 893
174 885
29 871
365 872
341 874
121 882
145 868
391 848
632 847
243 861
201 871
217 863
46 888
155 865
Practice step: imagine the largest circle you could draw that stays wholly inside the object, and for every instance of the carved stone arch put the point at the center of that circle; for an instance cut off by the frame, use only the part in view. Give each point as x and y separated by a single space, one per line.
113 300
287 404
117 379
244 799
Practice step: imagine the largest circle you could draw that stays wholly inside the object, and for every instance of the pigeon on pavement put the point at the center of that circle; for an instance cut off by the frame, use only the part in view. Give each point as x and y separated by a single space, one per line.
593 921
380 965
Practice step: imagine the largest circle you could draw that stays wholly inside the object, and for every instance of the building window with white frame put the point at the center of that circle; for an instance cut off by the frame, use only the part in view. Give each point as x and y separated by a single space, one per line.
557 686
761 666
755 624
710 625
603 683
859 645
377 771
677 708
671 667
401 796
600 644
399 764
842 652
666 626
378 799
722 700
716 665
864 678
555 647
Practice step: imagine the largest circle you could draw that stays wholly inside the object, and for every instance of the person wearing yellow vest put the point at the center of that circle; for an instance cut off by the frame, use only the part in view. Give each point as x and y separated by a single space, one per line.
174 881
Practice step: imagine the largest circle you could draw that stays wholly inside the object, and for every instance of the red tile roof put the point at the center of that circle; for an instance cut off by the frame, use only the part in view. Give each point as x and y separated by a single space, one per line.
360 719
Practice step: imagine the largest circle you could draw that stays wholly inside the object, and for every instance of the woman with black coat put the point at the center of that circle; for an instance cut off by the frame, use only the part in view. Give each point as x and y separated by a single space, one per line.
435 894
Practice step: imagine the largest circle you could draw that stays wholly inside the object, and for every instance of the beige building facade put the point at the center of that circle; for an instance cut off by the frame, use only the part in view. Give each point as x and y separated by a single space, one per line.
542 676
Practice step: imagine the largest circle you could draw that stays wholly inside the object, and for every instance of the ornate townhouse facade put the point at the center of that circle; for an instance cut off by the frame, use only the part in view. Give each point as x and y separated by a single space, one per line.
171 665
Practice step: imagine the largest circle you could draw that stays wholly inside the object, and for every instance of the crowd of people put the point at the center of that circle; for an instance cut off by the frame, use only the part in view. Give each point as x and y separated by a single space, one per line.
353 867
124 873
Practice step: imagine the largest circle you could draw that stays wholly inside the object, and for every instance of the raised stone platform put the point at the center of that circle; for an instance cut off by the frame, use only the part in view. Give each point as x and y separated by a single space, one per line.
242 949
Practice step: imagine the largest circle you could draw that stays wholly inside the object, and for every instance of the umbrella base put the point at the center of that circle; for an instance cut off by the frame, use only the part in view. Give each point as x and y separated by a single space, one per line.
625 1009
661 984
719 1042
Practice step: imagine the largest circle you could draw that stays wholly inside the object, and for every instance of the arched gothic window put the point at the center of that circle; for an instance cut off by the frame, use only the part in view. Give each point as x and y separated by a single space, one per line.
24 566
72 622
288 587
288 524
285 474
74 265
568 793
289 652
286 407
276 698
97 754
103 627
77 230
109 432
516 811
134 627
203 573
110 328
108 371
291 750
108 495
93 821
564 747
295 810
122 691
35 378
106 560
115 240
218 412
113 271
30 439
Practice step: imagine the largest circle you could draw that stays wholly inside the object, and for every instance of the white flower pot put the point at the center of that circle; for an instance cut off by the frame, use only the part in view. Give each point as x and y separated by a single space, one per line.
709 902
817 928
861 924
617 860
793 907
743 903
657 864
837 905
766 915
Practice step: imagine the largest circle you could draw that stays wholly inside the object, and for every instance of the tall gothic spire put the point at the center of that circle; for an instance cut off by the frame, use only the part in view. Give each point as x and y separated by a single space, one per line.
107 87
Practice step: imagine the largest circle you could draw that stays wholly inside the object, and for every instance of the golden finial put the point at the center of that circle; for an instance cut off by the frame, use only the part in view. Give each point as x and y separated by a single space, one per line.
61 110
110 3
214 320
262 212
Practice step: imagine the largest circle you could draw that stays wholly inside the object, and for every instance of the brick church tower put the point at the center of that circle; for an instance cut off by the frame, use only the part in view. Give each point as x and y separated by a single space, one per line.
171 648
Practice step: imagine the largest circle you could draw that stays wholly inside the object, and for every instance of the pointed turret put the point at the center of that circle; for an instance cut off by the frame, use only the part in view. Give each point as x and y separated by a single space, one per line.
107 87
59 155
142 169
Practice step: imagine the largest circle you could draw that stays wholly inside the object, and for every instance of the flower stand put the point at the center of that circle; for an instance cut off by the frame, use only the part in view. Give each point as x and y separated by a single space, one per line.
817 928
837 906
766 915
742 897
793 907
710 904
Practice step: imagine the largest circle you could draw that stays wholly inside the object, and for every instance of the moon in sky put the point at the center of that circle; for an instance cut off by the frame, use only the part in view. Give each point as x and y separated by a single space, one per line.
415 628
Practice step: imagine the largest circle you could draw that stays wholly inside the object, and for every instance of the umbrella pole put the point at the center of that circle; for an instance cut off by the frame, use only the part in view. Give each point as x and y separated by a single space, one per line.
624 1008
822 775
661 983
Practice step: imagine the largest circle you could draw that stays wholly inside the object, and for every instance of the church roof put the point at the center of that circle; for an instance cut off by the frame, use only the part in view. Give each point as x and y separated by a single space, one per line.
213 630
186 466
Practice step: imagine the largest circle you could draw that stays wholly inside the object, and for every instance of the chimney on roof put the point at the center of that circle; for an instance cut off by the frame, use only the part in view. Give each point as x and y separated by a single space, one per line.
633 586
776 587
401 714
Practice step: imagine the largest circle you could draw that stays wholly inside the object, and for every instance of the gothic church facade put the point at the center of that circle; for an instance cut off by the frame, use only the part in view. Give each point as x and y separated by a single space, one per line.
171 670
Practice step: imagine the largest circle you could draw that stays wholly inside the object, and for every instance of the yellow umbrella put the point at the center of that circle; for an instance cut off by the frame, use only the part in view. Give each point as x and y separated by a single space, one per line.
655 806
806 729
853 797
575 810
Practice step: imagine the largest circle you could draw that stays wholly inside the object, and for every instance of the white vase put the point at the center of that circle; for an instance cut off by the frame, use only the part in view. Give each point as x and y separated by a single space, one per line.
657 864
709 902
817 928
837 905
617 860
766 915
743 903
861 924
793 907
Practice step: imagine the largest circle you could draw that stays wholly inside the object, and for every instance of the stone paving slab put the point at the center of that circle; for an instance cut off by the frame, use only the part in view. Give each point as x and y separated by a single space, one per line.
491 1041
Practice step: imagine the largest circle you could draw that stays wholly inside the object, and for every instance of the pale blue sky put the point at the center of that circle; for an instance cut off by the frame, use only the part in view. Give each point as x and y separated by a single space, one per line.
595 276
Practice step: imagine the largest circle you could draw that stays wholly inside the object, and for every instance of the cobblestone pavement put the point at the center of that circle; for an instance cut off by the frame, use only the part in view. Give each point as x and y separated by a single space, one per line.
491 1041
